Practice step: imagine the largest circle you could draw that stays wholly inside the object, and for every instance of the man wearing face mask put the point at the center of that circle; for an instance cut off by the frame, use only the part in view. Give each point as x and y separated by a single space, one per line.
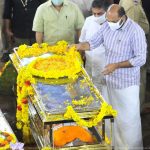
125 46
95 59
57 20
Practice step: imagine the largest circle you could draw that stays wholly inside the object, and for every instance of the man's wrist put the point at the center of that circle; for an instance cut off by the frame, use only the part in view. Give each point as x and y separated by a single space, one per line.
117 65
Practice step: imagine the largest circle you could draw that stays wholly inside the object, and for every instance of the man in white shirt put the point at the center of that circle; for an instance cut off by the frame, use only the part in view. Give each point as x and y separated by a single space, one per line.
95 59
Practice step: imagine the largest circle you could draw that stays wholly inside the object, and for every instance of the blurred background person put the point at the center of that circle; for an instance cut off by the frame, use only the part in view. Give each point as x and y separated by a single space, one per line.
85 6
58 20
146 7
1 26
95 59
116 1
17 20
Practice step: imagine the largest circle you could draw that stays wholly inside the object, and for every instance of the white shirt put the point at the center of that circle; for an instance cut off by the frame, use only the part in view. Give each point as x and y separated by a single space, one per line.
95 59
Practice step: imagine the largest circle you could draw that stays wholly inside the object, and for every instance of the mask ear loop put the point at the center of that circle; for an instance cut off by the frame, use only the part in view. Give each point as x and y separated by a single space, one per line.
120 22
123 21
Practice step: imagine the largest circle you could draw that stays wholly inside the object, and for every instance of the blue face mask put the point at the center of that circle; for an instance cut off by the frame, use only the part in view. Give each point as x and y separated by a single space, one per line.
57 2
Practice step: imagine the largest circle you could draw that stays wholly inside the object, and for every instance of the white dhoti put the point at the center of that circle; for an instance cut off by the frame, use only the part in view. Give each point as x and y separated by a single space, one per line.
127 126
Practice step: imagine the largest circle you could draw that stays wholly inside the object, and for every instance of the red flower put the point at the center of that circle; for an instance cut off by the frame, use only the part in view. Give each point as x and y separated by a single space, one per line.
24 101
19 107
27 83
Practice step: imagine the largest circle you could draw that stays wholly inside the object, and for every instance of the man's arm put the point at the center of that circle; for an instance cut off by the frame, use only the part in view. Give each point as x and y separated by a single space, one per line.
8 30
138 46
38 25
39 37
83 46
7 14
112 67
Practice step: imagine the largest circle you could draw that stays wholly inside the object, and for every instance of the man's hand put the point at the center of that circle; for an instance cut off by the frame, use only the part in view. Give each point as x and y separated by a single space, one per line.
110 69
76 45
81 46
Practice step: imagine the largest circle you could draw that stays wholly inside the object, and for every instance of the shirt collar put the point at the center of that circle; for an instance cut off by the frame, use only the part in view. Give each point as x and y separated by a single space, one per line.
64 3
125 24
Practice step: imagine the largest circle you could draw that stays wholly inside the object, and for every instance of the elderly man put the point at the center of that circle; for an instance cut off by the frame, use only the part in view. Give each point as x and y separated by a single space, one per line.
125 45
57 20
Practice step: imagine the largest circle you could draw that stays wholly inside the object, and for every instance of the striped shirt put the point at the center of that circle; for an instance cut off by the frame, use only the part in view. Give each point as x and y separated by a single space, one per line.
126 44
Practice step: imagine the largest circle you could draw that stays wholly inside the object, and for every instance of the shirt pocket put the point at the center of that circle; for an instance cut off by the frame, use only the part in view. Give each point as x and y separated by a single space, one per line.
68 21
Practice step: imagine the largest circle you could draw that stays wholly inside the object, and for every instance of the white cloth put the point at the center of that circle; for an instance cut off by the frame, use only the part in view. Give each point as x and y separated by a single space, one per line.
95 59
127 125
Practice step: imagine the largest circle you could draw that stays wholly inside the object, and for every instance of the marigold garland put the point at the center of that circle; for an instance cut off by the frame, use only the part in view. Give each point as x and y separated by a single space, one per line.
24 80
5 140
56 66
83 101
104 110
25 51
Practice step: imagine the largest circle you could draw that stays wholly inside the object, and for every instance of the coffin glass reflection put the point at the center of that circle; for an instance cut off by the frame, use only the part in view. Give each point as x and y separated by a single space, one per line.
54 98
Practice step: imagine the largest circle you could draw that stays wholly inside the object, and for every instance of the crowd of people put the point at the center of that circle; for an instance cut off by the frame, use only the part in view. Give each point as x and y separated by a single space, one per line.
114 35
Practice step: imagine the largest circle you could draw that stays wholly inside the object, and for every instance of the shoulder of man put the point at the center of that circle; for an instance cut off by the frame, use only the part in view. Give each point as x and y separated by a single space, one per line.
135 26
90 18
42 6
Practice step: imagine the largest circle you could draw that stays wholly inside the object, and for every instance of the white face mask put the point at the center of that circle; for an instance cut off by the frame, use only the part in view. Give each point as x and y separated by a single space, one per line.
114 26
100 19
57 2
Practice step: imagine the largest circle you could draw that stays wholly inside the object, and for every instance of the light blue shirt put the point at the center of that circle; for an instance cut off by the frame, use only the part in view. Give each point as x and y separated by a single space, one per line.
125 44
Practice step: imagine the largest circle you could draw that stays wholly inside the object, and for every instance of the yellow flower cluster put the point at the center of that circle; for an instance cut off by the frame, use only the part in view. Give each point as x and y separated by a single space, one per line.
5 140
104 110
24 80
56 66
37 50
83 101
46 148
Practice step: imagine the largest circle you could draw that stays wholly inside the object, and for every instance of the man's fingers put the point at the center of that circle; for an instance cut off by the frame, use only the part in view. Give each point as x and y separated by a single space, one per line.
106 71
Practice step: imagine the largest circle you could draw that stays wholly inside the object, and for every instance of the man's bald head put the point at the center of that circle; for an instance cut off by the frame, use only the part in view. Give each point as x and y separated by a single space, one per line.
114 13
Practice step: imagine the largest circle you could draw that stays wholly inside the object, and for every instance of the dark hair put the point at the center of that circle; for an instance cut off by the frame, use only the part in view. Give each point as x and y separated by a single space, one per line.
102 4
121 12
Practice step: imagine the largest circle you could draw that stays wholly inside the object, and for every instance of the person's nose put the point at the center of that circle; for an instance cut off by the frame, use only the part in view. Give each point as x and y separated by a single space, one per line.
96 15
